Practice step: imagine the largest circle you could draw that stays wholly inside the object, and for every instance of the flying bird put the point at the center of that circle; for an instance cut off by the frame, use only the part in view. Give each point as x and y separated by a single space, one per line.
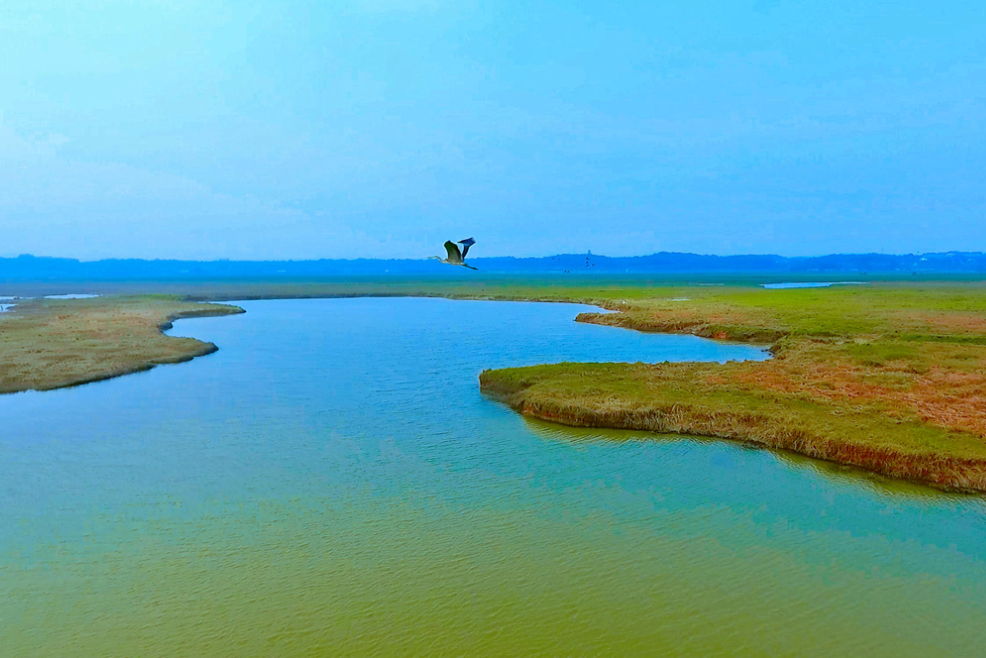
455 257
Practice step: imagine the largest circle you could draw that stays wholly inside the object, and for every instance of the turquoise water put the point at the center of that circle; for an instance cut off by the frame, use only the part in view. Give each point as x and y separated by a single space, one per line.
331 483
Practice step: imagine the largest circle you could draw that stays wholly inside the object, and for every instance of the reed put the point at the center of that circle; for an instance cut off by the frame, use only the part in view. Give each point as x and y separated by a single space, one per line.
667 399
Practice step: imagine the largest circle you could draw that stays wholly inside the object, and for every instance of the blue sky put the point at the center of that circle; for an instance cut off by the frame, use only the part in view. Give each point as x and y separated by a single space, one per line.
276 130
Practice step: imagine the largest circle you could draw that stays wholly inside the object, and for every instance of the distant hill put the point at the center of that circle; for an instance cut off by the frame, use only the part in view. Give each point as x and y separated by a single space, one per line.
32 268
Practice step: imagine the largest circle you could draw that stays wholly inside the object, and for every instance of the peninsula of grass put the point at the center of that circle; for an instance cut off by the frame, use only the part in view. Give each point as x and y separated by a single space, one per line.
887 377
47 344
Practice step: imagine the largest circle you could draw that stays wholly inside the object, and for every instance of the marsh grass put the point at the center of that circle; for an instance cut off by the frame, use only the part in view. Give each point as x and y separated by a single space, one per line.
888 377
47 344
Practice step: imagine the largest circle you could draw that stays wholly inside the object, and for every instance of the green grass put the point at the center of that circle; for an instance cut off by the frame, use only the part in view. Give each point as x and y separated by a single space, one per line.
672 399
887 376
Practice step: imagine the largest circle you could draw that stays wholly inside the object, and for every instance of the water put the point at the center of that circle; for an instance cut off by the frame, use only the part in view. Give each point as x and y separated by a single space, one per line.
811 284
331 483
6 306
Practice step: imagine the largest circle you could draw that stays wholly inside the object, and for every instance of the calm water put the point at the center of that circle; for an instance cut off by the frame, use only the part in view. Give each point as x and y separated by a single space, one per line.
331 483
816 284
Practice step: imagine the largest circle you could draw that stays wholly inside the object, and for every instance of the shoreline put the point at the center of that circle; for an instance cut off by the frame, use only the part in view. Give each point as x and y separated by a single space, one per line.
953 474
131 340
940 471
219 308
867 388
205 349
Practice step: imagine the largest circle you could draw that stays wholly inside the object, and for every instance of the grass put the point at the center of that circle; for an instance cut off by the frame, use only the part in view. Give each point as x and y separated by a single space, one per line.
49 344
889 376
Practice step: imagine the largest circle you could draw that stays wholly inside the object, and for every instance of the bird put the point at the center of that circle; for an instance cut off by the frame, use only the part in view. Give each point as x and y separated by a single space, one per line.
455 257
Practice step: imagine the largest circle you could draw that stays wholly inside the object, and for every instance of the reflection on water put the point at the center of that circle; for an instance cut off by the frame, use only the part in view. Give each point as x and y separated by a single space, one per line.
332 483
838 474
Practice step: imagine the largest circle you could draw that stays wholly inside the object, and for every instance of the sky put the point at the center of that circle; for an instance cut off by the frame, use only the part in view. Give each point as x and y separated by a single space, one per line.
381 128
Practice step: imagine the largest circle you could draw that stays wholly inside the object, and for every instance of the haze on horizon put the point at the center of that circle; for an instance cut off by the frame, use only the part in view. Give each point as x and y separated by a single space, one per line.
380 128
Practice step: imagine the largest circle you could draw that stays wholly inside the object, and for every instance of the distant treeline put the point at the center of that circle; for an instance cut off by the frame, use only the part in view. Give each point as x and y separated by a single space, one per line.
32 268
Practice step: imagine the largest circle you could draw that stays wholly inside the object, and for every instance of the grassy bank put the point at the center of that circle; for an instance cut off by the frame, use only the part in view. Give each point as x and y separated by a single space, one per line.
888 377
47 344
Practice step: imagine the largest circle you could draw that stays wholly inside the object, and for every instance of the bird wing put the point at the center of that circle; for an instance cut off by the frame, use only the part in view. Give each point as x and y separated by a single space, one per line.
468 242
453 252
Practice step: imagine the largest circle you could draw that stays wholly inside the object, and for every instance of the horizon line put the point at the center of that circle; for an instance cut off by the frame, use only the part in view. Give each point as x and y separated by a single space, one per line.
480 258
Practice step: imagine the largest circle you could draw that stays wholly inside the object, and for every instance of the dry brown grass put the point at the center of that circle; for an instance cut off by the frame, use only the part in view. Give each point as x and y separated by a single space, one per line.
48 344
